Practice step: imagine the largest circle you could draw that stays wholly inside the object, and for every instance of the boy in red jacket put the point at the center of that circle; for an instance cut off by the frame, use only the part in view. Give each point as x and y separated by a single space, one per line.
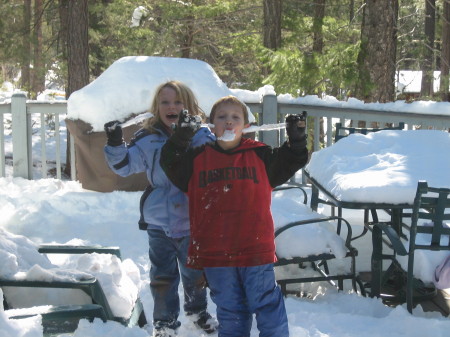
229 184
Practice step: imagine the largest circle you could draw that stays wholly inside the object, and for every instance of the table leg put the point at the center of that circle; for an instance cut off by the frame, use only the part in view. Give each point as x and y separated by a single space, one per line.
314 198
376 263
396 220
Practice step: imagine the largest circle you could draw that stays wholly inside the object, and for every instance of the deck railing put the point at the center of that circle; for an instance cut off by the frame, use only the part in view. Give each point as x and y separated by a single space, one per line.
26 115
21 117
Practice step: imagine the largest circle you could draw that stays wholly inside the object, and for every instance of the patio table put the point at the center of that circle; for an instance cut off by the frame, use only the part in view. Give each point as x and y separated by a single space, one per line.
379 171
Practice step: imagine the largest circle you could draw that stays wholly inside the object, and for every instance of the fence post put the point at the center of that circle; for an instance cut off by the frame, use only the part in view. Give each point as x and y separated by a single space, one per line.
270 116
21 154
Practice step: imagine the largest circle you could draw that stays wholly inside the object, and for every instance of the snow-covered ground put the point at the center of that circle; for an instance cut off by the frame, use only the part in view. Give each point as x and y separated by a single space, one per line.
50 210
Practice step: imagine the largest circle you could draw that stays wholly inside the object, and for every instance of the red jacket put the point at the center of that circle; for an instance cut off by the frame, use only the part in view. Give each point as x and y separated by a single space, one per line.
229 199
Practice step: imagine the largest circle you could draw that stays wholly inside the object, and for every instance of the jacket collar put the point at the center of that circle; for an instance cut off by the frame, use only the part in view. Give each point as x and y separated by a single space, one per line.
160 128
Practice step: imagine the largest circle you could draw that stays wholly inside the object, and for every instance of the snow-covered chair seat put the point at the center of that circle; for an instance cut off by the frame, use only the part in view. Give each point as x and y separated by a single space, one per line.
32 285
304 237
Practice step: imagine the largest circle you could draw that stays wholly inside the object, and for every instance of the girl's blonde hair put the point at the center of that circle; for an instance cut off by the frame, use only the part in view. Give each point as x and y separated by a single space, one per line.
229 100
184 94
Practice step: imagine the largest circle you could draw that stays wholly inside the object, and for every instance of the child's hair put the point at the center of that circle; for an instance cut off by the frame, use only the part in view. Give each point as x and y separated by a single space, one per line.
229 100
184 94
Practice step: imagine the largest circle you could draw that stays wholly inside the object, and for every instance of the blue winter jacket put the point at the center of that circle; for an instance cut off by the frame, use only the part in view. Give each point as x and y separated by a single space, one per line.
163 206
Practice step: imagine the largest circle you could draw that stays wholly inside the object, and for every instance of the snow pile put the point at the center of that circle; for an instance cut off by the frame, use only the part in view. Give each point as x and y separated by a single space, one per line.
27 327
128 85
21 260
302 240
383 166
110 219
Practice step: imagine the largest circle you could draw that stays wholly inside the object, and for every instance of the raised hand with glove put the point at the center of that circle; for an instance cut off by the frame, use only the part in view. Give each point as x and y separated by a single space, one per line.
296 131
186 128
114 134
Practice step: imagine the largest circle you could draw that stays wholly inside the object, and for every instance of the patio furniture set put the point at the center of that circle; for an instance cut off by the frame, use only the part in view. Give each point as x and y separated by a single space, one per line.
398 185
419 217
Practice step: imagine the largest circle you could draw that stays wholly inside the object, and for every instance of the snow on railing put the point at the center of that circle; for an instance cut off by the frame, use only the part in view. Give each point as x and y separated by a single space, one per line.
34 131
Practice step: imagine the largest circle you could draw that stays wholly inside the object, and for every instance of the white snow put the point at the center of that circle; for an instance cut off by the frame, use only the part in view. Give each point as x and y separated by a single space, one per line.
54 211
410 81
49 210
383 166
228 136
127 87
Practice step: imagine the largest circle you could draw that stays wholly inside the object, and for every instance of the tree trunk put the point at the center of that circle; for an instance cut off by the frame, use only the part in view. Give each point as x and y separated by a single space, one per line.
77 45
188 39
319 14
97 46
26 46
377 55
62 34
77 52
352 10
38 73
445 52
428 55
272 24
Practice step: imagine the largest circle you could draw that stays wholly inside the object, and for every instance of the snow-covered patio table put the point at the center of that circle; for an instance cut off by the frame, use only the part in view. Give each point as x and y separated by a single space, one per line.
382 167
381 170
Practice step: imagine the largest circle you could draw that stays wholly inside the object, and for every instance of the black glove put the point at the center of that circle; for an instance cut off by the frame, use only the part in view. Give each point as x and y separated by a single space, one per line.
296 130
114 133
187 126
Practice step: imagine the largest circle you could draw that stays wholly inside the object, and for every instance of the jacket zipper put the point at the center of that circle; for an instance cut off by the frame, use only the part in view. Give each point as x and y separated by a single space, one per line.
153 166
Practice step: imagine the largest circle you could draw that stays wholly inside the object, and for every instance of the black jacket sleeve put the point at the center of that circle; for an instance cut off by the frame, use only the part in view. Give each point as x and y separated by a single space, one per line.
282 163
176 161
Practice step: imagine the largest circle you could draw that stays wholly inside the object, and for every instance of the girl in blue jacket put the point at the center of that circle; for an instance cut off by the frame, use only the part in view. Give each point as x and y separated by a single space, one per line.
164 209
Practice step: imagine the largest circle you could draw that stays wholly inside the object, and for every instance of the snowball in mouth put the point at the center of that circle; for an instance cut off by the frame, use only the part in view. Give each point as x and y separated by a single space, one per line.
227 136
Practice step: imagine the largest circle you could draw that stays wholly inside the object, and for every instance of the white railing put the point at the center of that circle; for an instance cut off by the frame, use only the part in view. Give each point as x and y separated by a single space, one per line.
331 115
24 114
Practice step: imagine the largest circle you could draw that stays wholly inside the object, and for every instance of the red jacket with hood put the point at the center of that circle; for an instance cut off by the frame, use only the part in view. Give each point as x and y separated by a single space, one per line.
229 198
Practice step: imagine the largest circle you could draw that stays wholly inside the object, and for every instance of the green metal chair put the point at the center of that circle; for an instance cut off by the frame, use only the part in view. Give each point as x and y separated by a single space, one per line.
59 319
319 262
71 249
430 211
54 318
343 131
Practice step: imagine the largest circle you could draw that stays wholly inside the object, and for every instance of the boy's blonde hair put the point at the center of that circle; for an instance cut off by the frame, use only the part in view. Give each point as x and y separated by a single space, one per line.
229 100
184 94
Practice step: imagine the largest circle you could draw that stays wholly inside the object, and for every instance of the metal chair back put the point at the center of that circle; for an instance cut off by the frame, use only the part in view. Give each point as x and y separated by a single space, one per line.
344 131
430 216
429 230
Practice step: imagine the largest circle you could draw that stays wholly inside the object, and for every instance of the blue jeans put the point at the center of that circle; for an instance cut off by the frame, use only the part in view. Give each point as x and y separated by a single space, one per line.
240 292
168 261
